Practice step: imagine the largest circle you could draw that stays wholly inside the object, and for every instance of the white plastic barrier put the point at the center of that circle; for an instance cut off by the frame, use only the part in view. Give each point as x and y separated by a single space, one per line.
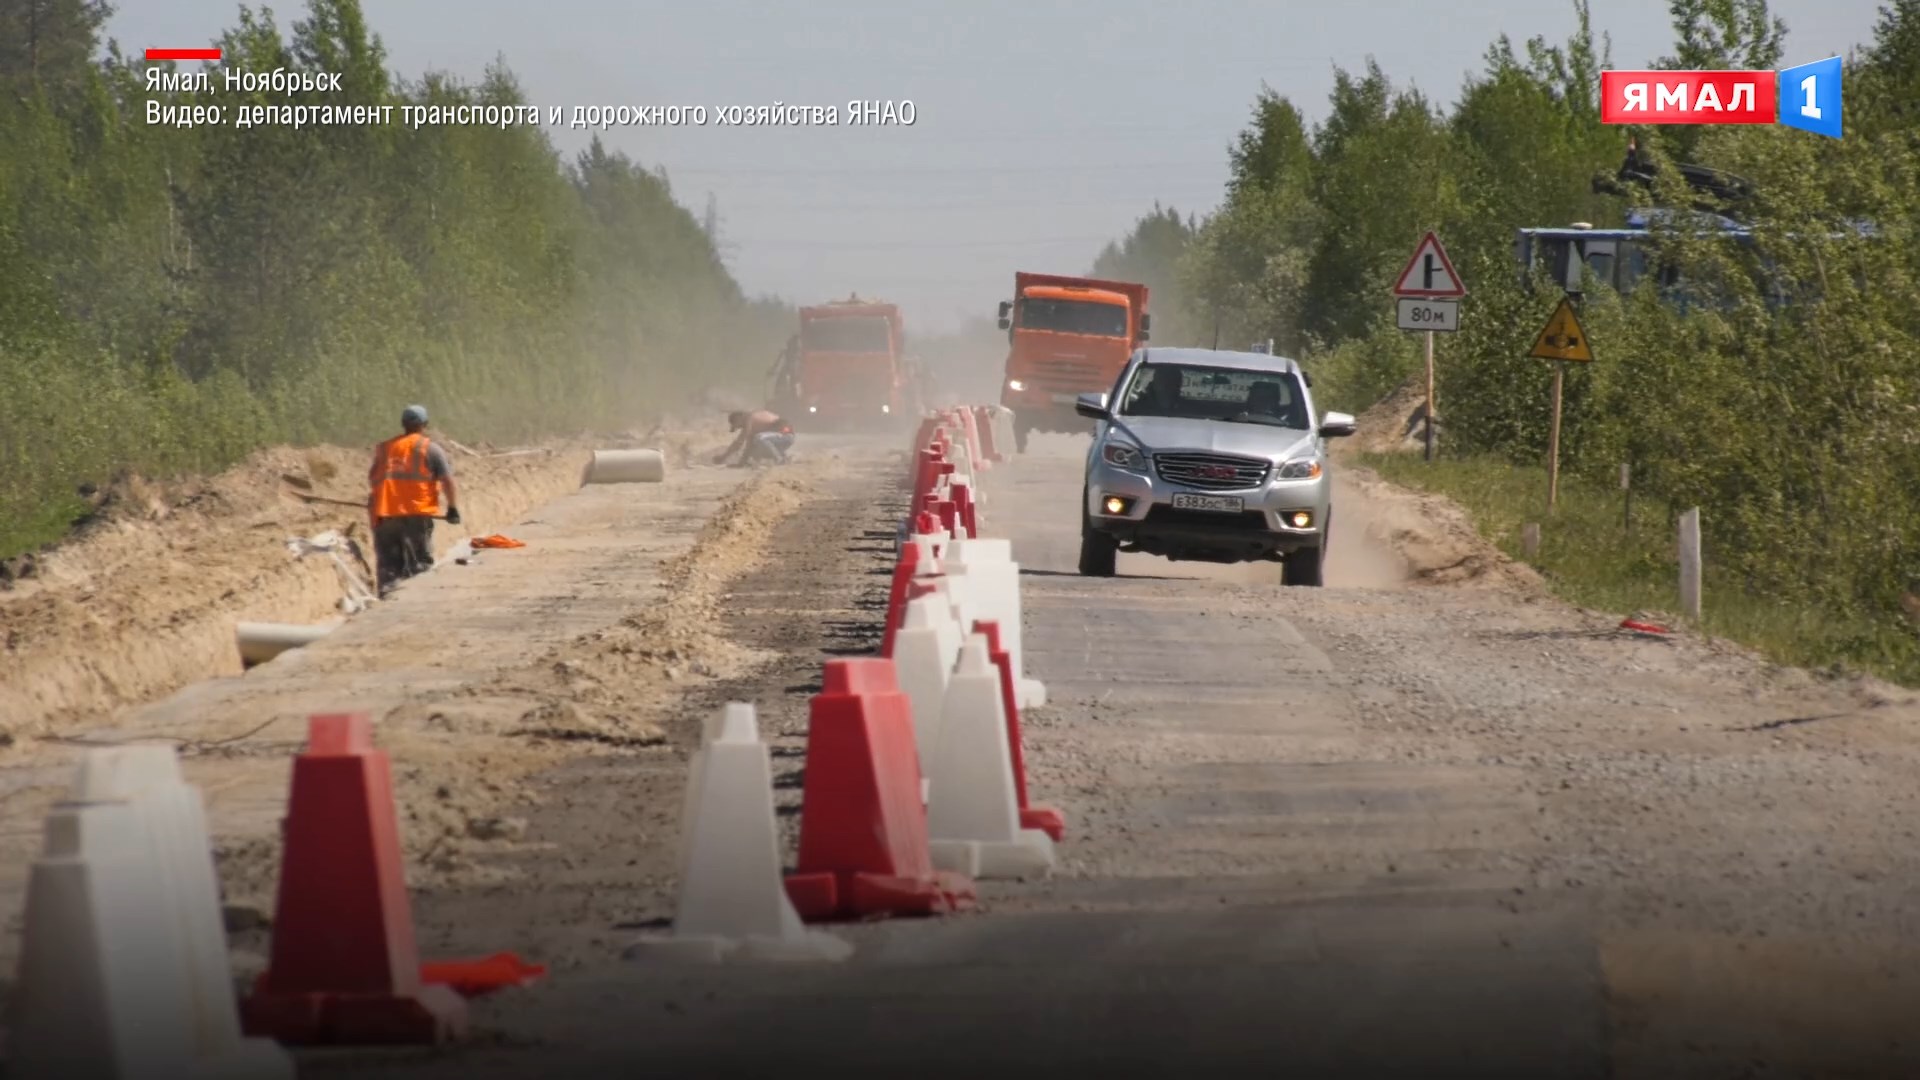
924 650
1003 435
962 459
124 970
973 816
968 424
732 900
959 590
992 587
929 545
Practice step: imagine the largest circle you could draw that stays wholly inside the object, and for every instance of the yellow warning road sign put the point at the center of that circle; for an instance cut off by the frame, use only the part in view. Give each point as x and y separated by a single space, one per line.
1563 338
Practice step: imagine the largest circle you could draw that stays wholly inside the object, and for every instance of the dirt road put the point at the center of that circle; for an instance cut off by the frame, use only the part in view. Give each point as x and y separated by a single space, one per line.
477 675
1423 822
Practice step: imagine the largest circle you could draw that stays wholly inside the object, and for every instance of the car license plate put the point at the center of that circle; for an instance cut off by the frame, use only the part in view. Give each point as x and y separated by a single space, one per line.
1066 399
1226 504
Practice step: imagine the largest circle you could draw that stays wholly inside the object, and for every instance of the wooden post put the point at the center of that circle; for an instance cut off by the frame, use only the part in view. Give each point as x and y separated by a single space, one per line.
1530 539
1690 564
1553 438
1430 409
1626 498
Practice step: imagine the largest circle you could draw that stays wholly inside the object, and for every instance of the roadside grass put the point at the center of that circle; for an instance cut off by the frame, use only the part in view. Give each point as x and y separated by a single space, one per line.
1589 558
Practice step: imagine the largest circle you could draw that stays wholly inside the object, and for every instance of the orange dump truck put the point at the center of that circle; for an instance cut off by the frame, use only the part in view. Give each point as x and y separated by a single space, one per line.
847 367
1067 336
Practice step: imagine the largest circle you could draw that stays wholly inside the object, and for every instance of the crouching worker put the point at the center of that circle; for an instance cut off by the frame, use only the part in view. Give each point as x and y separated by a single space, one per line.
409 472
763 438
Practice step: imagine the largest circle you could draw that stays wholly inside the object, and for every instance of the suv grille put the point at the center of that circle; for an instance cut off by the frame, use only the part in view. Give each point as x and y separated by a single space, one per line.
1212 472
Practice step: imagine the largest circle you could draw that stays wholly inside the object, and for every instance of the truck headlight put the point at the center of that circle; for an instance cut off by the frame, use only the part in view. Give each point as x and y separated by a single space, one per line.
1121 455
1304 469
1016 385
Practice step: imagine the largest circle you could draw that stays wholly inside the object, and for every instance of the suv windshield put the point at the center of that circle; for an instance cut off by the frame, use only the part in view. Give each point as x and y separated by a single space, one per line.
847 333
1195 392
1073 317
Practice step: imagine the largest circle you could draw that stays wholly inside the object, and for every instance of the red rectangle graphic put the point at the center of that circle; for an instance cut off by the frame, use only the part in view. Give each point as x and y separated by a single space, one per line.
154 55
1688 97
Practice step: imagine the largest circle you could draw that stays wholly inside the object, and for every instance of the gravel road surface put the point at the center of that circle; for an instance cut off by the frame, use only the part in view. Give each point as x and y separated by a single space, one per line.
1423 822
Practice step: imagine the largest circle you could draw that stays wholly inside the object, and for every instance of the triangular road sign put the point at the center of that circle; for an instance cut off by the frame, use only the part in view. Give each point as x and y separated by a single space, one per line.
1563 338
1429 274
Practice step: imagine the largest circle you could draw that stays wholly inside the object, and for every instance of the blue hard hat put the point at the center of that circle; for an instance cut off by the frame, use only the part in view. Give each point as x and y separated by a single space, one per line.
414 414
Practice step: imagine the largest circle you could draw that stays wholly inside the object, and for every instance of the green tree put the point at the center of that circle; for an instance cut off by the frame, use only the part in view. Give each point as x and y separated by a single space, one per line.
49 44
1151 255
1383 175
1884 92
1719 35
177 297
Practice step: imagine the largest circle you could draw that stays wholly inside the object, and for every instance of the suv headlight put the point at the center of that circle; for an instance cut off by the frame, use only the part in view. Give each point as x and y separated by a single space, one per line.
1016 385
1124 456
1302 469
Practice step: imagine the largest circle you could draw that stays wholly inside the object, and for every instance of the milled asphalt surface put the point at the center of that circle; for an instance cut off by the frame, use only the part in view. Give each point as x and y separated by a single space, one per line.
1227 898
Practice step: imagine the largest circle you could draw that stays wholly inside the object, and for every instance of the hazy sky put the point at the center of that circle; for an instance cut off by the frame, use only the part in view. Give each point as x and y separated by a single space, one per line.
1043 128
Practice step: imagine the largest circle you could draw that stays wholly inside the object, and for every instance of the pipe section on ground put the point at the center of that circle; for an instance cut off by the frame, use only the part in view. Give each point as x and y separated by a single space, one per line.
260 642
625 467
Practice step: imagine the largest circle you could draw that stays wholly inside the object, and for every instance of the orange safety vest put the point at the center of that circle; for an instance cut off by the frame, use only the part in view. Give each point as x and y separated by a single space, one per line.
404 487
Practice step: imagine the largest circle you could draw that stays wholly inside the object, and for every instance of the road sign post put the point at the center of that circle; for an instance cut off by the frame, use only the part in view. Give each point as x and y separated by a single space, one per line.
1429 292
1553 437
1560 341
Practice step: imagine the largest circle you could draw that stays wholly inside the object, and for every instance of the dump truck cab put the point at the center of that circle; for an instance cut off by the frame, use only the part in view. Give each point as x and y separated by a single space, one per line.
1066 336
848 366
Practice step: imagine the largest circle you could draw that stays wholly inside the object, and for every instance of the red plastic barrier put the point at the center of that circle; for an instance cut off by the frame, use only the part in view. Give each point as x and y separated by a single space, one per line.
1045 818
903 574
863 829
344 966
926 470
964 509
926 524
922 438
942 470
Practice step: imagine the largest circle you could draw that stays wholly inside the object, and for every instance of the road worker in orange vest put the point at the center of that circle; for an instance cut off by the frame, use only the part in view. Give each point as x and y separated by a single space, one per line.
409 472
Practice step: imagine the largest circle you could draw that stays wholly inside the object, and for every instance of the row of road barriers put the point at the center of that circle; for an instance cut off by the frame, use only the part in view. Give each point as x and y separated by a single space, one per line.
915 787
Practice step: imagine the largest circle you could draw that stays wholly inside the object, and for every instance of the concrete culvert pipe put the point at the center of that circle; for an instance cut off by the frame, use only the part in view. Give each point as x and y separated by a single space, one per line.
260 642
626 467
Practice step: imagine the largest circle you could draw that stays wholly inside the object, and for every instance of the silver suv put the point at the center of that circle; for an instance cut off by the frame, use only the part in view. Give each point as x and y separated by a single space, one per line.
1209 456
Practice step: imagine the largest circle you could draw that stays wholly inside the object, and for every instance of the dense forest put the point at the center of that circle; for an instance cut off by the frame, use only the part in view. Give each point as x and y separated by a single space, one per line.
173 298
1777 388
